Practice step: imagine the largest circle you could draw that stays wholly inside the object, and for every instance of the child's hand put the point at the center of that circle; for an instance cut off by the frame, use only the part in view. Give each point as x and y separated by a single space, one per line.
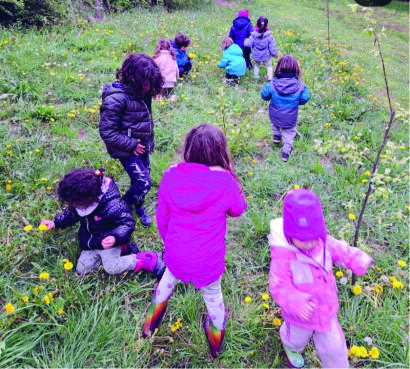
140 149
49 223
308 310
108 242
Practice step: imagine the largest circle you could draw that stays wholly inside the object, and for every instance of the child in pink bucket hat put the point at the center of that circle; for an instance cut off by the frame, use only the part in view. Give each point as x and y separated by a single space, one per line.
302 283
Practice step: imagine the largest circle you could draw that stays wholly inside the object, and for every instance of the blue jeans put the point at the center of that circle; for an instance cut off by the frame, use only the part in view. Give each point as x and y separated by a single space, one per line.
184 69
138 169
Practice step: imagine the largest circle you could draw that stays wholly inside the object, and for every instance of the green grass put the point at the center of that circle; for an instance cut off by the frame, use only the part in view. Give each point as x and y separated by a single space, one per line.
50 84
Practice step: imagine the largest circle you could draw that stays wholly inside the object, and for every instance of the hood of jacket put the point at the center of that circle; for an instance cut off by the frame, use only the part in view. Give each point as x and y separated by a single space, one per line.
197 187
234 50
287 86
241 22
115 88
261 41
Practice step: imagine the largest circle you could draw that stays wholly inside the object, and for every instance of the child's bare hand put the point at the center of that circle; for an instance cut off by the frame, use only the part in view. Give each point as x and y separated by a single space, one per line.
108 242
140 149
49 223
308 310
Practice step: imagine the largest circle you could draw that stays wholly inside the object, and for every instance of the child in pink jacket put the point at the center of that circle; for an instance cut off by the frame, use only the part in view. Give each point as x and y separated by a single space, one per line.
164 57
302 283
194 199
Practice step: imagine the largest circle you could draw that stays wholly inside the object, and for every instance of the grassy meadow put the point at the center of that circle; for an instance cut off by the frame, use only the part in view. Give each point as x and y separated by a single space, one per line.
50 86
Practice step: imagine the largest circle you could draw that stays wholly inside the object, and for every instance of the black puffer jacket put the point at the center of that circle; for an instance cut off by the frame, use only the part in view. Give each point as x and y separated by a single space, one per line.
124 118
112 217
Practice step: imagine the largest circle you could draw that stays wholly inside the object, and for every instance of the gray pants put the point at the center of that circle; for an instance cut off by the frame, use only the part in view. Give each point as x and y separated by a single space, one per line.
211 293
111 260
288 136
269 69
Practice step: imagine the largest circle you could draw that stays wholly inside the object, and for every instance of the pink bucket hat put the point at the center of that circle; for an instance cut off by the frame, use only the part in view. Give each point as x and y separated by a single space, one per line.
243 13
303 216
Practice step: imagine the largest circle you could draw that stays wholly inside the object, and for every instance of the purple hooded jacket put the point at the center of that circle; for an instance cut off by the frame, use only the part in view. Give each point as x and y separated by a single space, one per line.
263 46
241 28
286 94
193 202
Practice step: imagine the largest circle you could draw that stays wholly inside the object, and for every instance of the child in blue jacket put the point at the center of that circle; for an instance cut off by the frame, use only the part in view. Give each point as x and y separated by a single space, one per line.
286 93
180 45
233 61
240 30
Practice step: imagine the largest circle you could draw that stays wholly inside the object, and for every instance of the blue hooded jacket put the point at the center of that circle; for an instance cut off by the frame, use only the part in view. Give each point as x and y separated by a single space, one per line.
233 61
181 57
286 94
241 29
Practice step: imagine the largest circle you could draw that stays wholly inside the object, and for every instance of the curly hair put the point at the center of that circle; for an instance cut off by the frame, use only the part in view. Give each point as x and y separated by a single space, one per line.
206 144
139 69
287 64
164 45
80 186
182 40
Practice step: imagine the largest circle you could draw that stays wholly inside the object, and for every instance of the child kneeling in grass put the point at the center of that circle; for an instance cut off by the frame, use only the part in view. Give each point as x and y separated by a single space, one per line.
233 61
302 283
106 224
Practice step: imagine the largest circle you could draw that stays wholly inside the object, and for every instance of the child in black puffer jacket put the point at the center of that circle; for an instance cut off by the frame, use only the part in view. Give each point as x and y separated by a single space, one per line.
126 124
106 224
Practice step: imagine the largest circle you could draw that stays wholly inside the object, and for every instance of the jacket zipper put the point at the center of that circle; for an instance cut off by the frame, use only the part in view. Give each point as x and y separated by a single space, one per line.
88 229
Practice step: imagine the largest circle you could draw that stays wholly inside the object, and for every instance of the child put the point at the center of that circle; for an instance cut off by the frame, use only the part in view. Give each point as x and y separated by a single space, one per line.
180 45
193 200
263 46
164 56
286 93
106 224
126 124
240 30
301 279
233 61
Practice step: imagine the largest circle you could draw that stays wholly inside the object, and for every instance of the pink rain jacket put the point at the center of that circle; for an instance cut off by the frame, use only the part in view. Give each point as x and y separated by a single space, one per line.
168 66
297 277
193 201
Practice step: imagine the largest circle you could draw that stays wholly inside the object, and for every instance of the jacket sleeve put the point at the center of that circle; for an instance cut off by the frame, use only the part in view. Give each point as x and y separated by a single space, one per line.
111 113
67 218
289 298
238 202
272 47
347 256
250 29
266 93
304 96
248 42
224 61
163 212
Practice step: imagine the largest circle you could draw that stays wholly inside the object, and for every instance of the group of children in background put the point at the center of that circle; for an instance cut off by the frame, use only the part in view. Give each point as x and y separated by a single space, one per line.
196 196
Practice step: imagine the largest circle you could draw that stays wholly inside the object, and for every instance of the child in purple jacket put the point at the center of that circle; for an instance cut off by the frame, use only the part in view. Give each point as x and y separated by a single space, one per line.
194 199
302 283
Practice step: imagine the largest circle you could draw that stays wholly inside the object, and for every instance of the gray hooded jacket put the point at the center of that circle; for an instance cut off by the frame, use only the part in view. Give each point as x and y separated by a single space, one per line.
263 46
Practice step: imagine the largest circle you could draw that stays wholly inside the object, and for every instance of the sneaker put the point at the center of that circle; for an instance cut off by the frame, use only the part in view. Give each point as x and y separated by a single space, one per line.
276 139
129 248
144 217
294 358
285 157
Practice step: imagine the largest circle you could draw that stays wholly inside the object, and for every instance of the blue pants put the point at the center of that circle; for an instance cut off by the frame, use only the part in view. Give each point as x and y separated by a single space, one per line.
138 169
184 69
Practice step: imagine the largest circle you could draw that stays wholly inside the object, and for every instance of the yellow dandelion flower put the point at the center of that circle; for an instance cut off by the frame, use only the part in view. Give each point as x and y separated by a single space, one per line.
50 296
60 311
357 290
398 285
354 351
265 305
277 322
37 150
351 216
8 187
35 291
24 298
367 173
68 265
9 308
44 179
248 299
362 352
265 297
402 263
28 228
378 289
42 227
296 186
65 260
44 275
365 180
339 274
392 278
374 353
46 300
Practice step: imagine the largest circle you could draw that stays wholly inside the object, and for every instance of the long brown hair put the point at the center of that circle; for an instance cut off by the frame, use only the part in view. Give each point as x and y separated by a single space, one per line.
287 64
206 144
164 45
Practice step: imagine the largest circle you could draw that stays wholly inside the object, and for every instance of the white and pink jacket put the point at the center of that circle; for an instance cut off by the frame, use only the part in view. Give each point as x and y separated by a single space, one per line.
168 67
296 276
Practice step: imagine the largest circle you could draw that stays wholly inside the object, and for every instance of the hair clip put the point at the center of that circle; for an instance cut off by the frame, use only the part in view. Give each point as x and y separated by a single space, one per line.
99 172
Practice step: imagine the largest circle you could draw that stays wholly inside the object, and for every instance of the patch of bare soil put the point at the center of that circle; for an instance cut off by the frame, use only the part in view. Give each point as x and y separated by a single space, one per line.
229 4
